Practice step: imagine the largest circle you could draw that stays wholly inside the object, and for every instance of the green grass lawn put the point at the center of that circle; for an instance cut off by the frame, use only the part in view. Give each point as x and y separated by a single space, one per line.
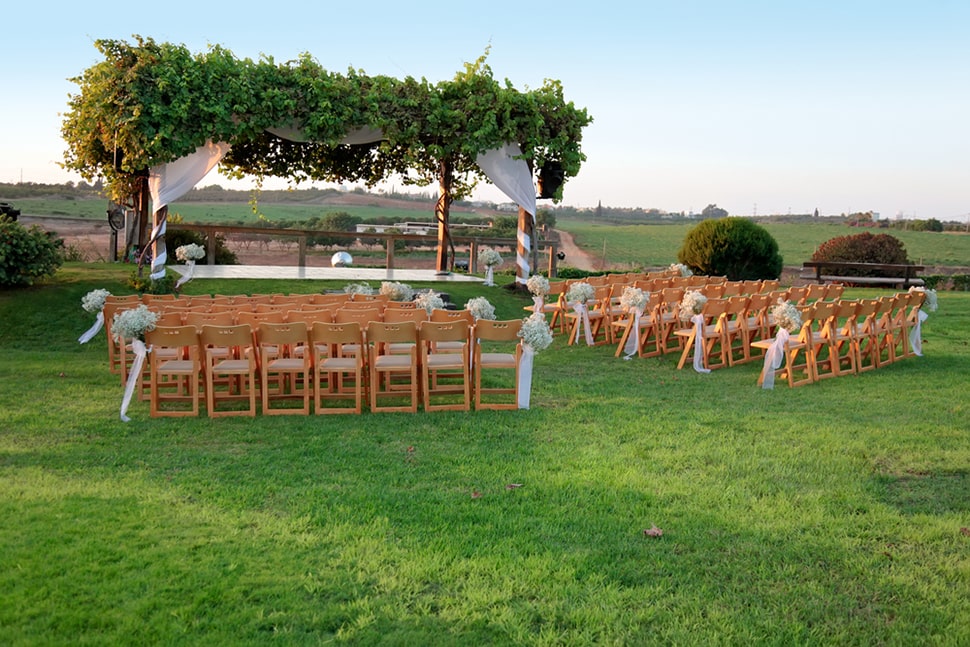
824 515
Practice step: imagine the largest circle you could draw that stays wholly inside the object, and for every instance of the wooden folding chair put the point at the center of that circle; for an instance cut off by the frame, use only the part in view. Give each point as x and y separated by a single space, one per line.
649 332
337 376
798 367
490 342
284 367
713 341
445 372
392 375
174 369
228 352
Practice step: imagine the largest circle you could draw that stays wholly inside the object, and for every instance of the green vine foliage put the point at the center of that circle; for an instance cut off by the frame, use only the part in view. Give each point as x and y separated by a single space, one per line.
150 103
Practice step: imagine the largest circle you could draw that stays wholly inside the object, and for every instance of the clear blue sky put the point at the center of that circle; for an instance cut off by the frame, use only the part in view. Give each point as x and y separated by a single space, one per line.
763 107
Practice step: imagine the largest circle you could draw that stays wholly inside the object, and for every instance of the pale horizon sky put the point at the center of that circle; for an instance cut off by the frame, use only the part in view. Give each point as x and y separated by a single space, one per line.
758 107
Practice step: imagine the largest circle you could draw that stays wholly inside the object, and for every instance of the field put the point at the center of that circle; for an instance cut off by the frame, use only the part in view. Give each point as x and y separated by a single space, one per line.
836 513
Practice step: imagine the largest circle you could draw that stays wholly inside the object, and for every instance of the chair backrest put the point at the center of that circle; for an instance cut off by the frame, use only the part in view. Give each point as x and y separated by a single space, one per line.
395 315
255 318
400 305
174 337
380 333
169 318
437 331
199 319
329 299
364 298
237 336
362 316
281 334
438 314
310 317
505 330
337 334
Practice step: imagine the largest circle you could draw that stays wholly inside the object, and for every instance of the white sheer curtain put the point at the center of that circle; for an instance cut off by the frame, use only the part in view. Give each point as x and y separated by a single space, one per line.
169 182
513 178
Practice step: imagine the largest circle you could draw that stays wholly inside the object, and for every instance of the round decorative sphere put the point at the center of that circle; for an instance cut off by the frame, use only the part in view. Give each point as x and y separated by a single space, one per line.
341 259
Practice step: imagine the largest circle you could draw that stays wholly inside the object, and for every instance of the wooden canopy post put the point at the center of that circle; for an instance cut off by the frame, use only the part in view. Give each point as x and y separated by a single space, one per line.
523 245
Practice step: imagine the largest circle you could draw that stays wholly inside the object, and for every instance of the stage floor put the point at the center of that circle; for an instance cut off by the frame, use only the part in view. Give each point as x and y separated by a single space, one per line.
322 273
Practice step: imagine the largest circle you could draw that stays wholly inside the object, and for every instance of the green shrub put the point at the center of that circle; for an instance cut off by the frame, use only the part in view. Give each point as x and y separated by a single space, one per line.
27 254
862 248
733 247
144 284
175 238
935 281
961 282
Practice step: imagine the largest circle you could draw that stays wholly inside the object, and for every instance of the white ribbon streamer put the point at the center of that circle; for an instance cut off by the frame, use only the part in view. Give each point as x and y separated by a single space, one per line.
134 376
773 358
583 313
525 375
489 276
632 346
916 334
699 344
188 274
93 330
538 303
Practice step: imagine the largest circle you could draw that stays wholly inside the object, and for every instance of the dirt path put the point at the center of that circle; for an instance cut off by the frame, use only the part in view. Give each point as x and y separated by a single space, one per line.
575 257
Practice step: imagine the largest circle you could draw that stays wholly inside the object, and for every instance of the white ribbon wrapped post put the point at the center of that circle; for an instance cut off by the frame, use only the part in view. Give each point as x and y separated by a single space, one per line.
632 346
134 377
489 276
699 344
190 264
916 334
525 375
773 358
93 330
583 313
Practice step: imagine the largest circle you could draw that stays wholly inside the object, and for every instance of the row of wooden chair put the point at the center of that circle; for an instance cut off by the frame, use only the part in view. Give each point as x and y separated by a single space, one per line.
444 365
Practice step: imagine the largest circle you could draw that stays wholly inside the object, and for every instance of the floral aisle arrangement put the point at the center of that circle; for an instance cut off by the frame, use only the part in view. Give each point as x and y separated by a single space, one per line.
131 325
788 319
481 308
429 300
930 304
536 336
681 269
397 291
691 307
633 300
538 286
578 295
188 254
93 302
358 288
491 259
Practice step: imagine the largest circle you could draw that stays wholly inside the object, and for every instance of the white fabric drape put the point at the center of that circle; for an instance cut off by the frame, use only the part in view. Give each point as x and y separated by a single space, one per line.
134 377
513 178
582 311
632 346
526 361
773 358
169 182
189 273
916 334
93 330
699 344
489 276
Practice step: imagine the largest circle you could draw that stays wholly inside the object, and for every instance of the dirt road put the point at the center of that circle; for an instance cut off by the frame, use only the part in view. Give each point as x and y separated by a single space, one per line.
575 257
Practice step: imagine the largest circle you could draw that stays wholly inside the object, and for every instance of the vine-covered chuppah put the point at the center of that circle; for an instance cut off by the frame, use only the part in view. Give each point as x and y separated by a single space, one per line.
152 119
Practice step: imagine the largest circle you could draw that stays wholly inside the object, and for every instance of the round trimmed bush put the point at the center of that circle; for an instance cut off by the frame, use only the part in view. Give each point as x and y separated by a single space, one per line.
27 254
733 247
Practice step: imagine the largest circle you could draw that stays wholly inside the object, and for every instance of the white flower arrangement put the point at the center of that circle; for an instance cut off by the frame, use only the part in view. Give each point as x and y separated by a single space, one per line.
489 257
633 298
692 304
681 269
358 288
94 300
481 308
429 300
397 291
930 303
133 323
535 332
786 315
190 252
580 292
538 285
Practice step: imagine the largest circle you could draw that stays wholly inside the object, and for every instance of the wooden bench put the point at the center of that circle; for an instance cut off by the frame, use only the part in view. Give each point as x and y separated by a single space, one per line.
895 275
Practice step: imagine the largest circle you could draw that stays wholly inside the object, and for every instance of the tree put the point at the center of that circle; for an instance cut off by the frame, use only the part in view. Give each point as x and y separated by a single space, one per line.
733 247
713 211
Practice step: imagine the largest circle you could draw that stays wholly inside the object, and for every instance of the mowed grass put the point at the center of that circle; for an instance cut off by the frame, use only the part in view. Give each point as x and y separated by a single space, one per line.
653 245
828 514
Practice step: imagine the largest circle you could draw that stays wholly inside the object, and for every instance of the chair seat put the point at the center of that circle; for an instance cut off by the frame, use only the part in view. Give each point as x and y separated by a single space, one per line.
498 360
179 367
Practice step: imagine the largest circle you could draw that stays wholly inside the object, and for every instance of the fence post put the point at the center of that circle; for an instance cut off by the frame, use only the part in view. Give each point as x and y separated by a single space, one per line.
390 253
302 261
473 257
210 246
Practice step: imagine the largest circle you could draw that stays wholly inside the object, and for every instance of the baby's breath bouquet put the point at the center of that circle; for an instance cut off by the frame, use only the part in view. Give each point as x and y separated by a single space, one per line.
633 298
190 252
786 315
133 323
535 332
480 308
681 269
429 300
358 288
930 303
397 291
692 304
538 285
93 302
580 292
489 257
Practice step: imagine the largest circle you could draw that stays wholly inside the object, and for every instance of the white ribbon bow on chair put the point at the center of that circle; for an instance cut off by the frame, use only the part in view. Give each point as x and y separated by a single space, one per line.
188 274
773 358
583 312
525 376
632 346
699 344
916 334
134 377
93 330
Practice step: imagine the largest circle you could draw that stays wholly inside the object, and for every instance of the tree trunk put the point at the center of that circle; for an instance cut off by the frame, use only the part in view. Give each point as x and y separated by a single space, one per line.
441 213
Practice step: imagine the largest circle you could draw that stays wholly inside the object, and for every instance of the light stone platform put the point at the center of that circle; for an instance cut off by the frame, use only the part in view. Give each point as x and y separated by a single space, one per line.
322 273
